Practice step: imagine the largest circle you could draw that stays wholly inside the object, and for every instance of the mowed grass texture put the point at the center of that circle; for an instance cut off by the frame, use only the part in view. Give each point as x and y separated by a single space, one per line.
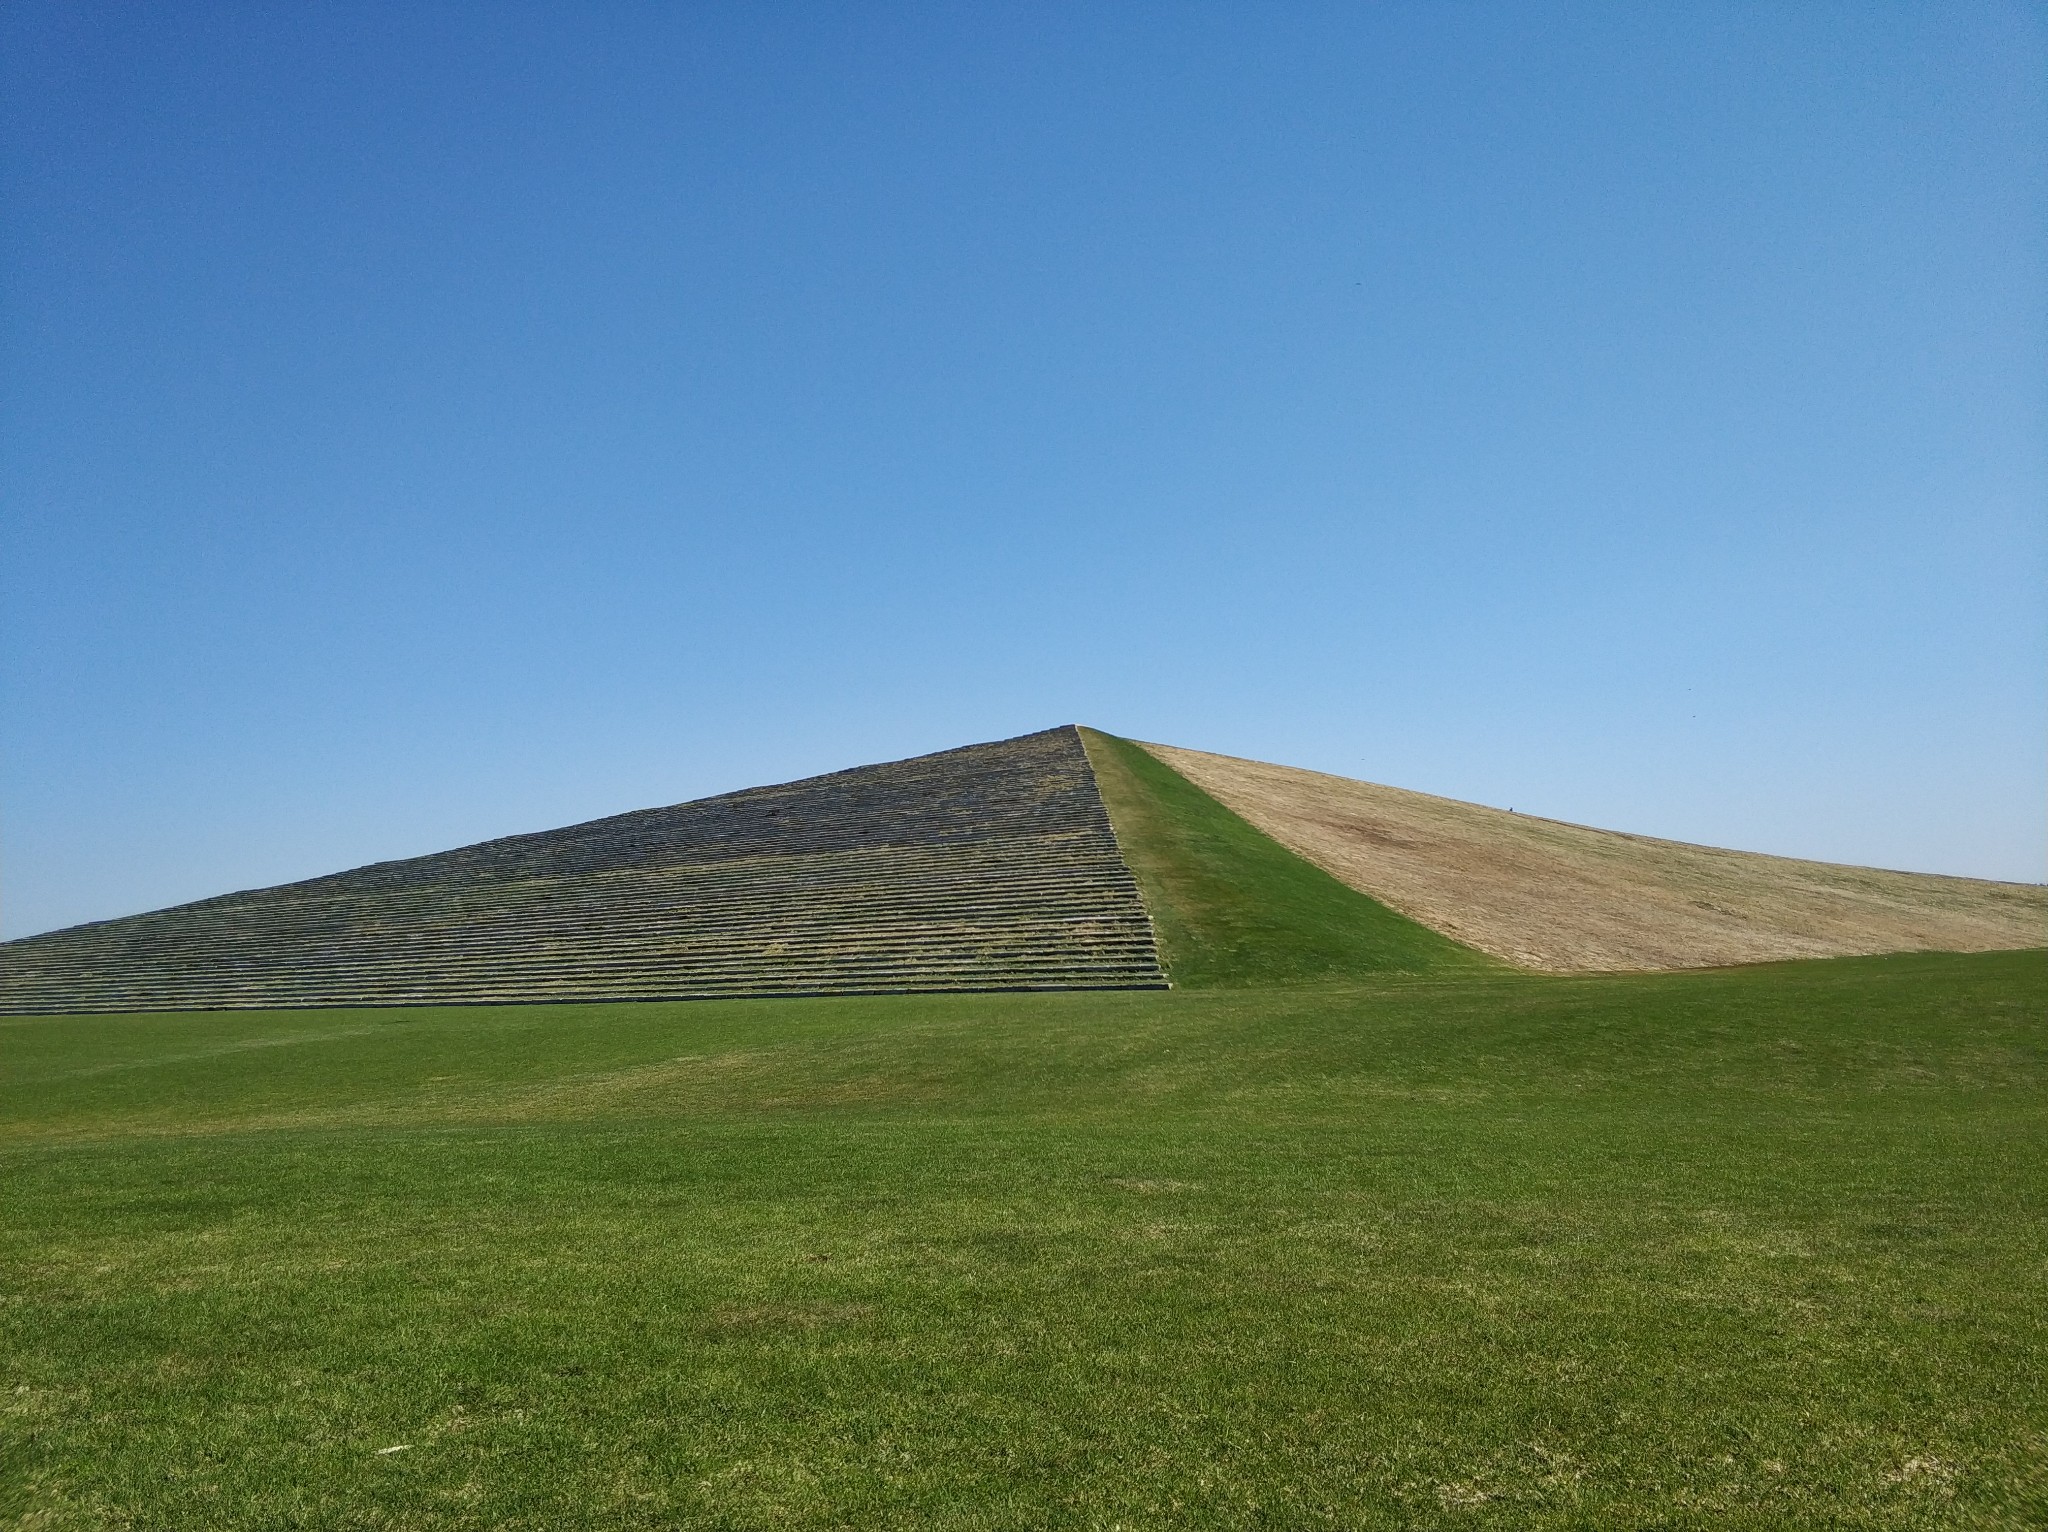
1230 905
1741 1248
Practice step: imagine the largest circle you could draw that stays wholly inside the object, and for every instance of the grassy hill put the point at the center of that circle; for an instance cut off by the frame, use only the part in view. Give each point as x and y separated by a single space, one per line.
1018 864
1463 1248
1547 895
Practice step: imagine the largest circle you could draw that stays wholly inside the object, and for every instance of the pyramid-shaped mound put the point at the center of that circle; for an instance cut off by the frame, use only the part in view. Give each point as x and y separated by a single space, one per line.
1066 859
984 868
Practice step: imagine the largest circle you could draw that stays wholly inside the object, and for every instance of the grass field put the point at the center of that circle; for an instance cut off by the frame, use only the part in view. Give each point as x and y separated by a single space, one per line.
1744 1248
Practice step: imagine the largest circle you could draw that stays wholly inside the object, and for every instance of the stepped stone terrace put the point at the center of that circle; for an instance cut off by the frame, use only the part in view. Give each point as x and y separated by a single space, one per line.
992 867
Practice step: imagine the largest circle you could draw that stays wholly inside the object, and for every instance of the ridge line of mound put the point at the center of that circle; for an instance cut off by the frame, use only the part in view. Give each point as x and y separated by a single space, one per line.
1231 906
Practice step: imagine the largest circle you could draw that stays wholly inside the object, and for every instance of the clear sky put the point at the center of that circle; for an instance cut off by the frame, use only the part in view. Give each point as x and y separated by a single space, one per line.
428 422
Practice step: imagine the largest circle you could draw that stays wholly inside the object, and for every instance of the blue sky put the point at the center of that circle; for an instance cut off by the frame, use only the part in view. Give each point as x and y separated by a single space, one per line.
424 423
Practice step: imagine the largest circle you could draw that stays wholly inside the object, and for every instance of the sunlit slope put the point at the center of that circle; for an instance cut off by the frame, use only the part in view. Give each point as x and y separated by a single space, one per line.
1234 907
987 867
1548 895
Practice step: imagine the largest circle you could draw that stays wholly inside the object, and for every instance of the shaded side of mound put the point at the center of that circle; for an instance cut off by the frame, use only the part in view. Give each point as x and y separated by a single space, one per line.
1547 895
1034 785
1232 906
988 867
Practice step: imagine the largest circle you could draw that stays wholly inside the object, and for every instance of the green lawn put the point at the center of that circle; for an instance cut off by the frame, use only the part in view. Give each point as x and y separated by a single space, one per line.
1751 1248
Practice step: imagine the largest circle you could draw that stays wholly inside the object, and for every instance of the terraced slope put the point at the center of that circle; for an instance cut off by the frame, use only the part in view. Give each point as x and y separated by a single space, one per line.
1546 895
989 867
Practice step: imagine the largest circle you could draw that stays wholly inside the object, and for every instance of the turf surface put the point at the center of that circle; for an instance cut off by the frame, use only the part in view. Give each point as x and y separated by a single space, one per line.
1748 1248
1231 906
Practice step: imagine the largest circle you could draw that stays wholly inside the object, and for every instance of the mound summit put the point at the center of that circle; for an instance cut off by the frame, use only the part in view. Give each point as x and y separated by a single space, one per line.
1065 859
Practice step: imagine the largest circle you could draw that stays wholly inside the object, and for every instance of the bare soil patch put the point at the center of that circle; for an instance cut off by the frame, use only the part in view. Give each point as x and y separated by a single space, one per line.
1567 898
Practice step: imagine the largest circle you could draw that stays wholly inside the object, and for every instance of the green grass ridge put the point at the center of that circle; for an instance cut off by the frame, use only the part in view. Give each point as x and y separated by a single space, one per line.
1231 906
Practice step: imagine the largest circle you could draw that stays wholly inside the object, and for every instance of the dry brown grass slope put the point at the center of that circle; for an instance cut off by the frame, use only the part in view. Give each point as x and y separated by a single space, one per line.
1564 897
